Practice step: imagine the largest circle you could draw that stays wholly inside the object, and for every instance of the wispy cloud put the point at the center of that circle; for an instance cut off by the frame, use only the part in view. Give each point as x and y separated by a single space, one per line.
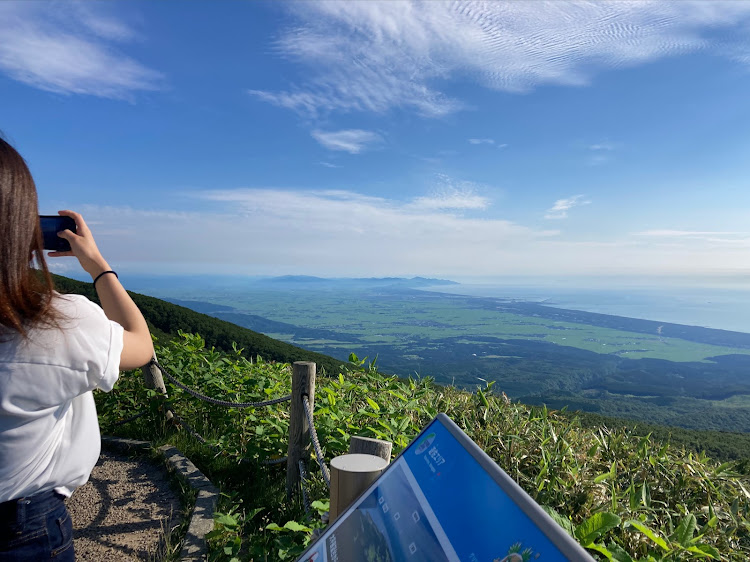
70 49
62 267
341 232
689 233
481 141
561 207
451 194
602 146
375 56
598 159
456 200
396 235
334 232
352 141
329 165
600 153
98 19
691 237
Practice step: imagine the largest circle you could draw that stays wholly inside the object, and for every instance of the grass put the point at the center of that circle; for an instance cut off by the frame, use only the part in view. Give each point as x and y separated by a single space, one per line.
622 496
171 542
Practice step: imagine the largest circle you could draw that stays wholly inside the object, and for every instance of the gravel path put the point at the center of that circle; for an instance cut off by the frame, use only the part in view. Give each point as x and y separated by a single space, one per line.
120 513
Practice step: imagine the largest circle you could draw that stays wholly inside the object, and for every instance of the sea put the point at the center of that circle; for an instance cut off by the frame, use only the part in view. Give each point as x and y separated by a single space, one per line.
718 308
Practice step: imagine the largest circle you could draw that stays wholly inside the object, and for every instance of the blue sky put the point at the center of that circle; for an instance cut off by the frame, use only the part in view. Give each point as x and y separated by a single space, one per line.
462 140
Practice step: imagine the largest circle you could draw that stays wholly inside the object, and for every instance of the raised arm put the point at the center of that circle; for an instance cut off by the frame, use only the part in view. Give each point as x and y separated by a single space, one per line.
117 305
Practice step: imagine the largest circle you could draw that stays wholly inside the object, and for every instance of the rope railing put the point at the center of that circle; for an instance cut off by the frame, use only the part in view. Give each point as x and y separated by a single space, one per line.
214 401
194 433
302 431
130 419
182 423
316 443
303 435
213 447
266 462
274 461
303 486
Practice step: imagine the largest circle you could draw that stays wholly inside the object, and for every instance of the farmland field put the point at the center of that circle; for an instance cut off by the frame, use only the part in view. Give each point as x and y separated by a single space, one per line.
660 372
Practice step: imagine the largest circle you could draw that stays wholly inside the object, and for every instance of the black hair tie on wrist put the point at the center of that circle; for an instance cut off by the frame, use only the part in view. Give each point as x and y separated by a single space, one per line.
104 273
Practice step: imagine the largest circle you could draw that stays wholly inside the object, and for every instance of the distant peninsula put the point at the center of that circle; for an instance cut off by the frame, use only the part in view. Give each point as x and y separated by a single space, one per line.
358 281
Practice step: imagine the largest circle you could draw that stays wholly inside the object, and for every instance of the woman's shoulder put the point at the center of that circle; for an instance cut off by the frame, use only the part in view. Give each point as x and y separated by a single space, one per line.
76 307
70 301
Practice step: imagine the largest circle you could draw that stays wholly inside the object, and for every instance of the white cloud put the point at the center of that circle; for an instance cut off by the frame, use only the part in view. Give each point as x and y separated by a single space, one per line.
450 194
481 141
598 159
375 56
601 153
70 49
329 165
328 232
687 233
352 141
98 20
61 267
266 231
343 233
561 207
606 146
456 200
694 237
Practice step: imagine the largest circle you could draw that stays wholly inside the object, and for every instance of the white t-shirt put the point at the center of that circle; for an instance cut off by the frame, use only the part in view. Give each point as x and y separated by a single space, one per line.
49 433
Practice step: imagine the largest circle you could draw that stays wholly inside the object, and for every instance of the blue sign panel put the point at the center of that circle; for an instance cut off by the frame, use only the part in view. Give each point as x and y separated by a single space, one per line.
436 502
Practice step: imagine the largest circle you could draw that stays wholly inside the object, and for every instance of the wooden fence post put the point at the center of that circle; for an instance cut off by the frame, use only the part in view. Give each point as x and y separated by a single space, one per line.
303 384
370 446
152 377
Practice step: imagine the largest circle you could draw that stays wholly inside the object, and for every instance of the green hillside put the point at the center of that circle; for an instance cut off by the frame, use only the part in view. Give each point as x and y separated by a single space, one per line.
624 496
166 320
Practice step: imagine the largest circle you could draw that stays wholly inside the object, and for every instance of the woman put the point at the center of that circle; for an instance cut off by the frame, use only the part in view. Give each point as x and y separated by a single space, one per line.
54 350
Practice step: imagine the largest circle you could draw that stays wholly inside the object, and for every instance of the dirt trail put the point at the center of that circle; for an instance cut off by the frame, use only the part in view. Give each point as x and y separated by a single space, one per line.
121 513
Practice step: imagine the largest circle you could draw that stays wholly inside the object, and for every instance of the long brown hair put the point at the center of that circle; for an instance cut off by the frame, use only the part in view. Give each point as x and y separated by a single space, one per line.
25 294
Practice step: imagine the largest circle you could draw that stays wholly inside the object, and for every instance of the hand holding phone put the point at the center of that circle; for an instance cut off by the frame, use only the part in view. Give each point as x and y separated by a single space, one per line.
51 225
82 245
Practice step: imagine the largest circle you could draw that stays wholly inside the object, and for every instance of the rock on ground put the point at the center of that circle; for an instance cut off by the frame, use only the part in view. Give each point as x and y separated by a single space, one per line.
121 513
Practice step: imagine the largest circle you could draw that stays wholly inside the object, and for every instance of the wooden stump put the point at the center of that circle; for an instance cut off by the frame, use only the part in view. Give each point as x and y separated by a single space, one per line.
153 378
370 446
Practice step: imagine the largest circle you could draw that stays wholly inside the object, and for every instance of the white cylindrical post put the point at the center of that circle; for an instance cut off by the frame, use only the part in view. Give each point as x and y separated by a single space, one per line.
350 476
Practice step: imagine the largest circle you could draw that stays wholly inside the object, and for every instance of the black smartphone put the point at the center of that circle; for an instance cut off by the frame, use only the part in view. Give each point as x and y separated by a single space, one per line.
51 225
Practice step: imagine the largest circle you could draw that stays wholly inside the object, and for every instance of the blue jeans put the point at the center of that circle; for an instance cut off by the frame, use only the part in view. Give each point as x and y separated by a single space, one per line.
36 528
